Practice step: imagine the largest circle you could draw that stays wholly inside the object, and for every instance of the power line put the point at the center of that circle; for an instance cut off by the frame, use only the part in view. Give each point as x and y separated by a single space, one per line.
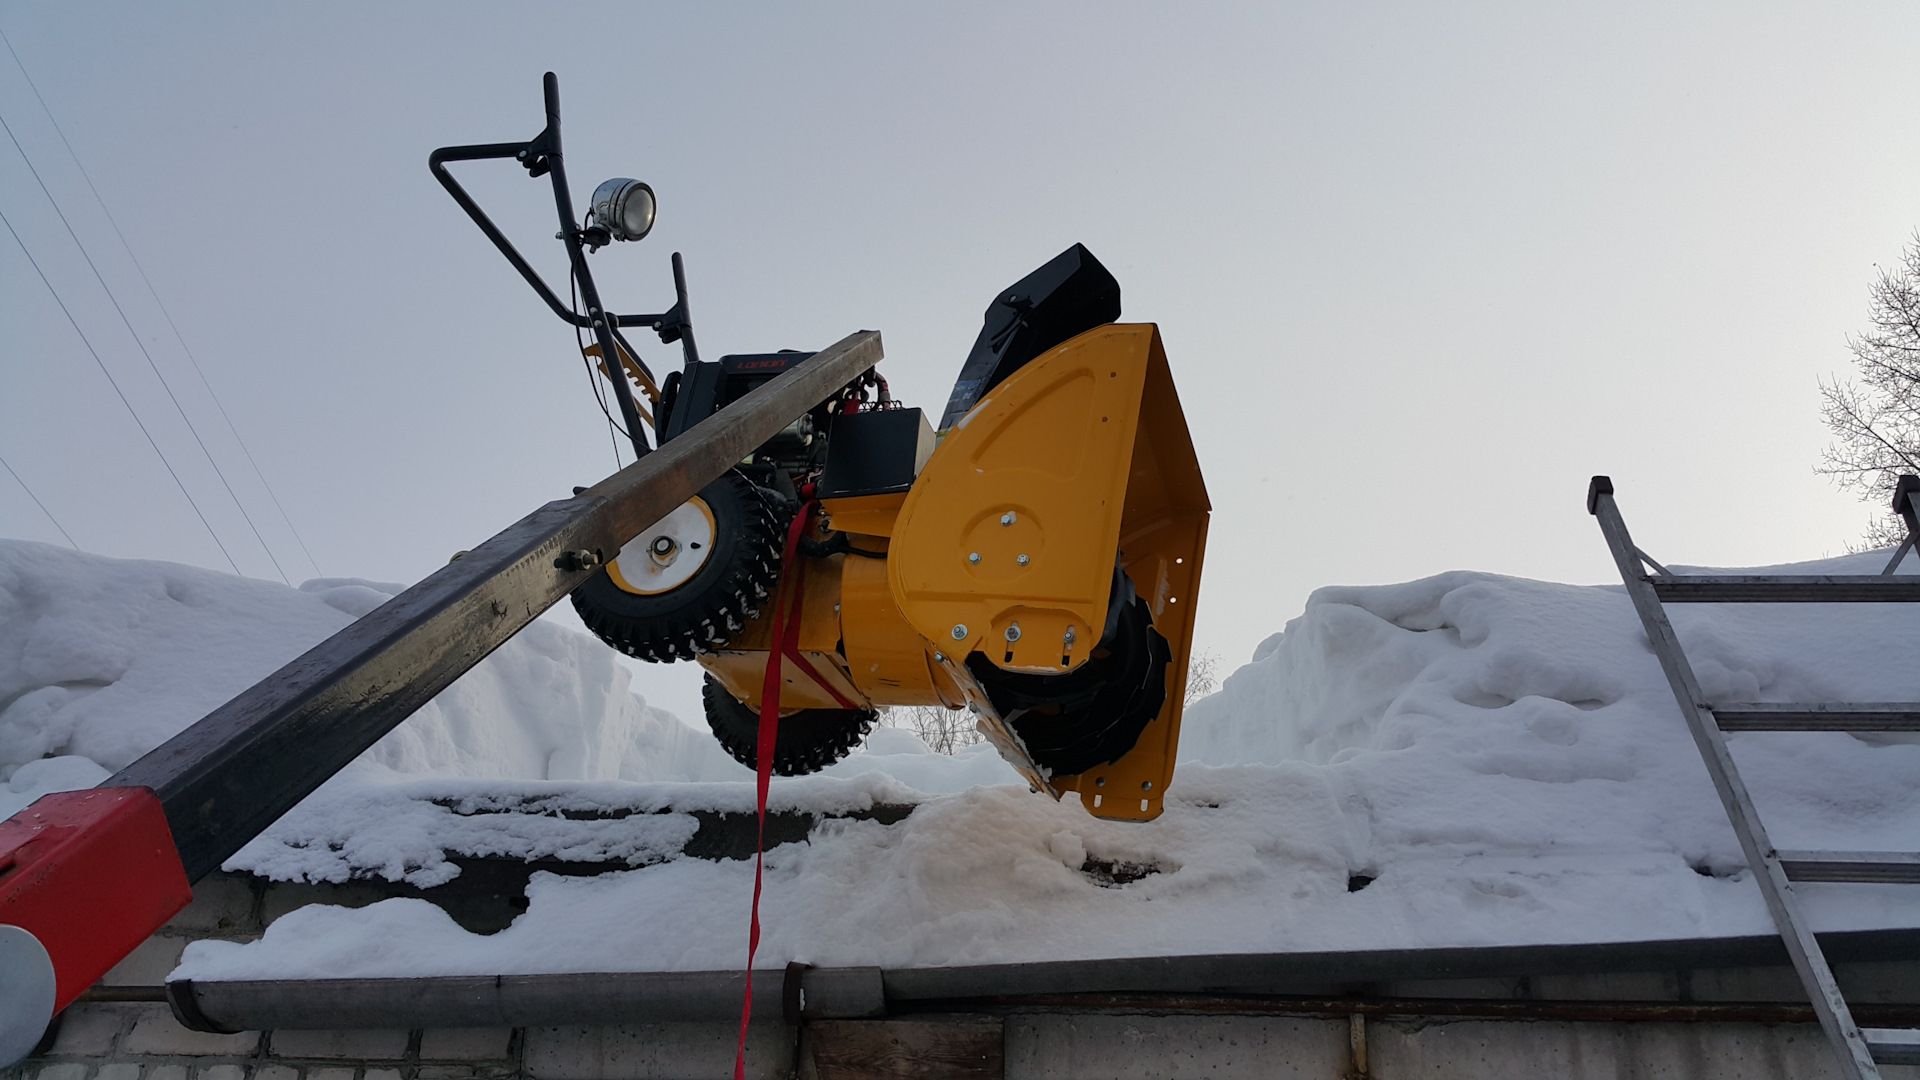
116 389
135 334
177 336
38 503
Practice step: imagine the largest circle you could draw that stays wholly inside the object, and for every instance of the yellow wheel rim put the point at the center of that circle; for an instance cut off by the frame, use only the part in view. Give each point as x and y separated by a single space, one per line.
668 553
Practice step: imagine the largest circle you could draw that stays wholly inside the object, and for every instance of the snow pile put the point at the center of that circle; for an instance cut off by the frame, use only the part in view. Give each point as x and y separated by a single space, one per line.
1469 714
1468 759
101 660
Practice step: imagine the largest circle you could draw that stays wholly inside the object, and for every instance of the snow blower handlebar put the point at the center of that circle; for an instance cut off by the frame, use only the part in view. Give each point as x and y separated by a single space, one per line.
88 875
542 156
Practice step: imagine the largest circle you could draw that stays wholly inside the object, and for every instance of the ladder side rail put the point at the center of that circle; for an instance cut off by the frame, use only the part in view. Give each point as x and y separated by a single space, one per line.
1856 1062
226 778
1898 554
1906 503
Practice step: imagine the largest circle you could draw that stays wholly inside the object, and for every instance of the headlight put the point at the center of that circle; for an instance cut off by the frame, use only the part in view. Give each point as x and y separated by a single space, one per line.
622 207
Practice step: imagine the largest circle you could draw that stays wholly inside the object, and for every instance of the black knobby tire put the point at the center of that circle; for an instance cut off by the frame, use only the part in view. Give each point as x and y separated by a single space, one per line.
705 612
809 740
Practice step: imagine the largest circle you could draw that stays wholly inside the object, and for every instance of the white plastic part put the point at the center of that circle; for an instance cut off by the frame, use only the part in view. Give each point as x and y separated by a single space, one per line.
685 543
26 993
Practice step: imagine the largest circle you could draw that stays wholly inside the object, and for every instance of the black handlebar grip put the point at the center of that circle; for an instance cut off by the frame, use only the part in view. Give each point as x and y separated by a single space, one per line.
1598 486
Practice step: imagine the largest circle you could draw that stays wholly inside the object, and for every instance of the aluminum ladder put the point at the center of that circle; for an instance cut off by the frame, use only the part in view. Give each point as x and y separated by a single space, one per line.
1776 871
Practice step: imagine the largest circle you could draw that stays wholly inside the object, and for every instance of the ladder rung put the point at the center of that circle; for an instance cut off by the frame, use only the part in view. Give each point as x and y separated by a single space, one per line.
1780 589
1893 1046
1882 866
1844 716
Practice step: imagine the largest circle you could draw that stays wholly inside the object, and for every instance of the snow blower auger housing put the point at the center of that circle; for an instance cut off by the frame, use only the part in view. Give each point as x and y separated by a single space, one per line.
1035 561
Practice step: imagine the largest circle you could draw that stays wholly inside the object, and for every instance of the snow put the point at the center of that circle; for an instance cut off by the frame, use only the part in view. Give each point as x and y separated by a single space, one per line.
1502 757
102 659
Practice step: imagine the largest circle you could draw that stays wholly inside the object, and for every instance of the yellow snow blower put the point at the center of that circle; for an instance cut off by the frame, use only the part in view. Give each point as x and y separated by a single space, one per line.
1035 558
1035 561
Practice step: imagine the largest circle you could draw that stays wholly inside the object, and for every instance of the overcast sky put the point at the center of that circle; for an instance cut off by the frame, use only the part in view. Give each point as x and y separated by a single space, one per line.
1420 271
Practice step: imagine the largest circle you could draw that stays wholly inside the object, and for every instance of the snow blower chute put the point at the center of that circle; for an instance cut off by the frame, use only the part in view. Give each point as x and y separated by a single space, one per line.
1034 560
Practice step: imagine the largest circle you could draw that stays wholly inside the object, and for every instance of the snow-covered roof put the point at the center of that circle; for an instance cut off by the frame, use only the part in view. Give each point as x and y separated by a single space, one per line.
1465 760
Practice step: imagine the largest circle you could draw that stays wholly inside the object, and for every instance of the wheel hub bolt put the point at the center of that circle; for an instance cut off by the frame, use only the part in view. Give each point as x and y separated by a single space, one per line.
663 549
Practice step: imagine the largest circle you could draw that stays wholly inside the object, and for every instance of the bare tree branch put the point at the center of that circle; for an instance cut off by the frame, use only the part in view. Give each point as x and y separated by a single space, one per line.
944 730
1202 670
1876 419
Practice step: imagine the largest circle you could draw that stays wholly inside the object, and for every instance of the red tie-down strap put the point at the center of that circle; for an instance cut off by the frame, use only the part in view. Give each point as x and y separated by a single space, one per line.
784 636
790 642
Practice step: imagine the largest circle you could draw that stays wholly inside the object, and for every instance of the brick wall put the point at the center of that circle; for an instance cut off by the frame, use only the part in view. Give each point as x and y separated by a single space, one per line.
142 1041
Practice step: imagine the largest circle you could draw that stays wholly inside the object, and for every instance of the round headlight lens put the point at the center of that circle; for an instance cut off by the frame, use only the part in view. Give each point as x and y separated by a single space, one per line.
623 207
636 211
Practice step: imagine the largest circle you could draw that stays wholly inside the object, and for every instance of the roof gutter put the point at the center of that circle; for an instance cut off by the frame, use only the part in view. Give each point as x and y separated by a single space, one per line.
1323 982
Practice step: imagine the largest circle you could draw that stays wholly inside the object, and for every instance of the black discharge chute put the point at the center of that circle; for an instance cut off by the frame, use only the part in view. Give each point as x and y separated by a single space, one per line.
1071 294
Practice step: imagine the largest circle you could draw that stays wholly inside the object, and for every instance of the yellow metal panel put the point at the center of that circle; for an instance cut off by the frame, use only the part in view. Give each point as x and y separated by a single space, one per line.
1063 463
1165 566
1163 540
743 674
872 515
634 371
886 658
1039 469
742 667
